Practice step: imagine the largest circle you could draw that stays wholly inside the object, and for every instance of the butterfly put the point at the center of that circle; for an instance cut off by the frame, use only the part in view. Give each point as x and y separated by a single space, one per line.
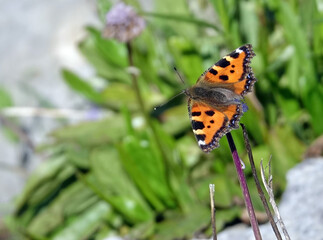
215 102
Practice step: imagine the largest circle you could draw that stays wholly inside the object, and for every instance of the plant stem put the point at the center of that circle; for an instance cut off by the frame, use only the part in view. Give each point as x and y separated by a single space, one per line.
136 85
255 177
244 187
270 191
149 122
213 211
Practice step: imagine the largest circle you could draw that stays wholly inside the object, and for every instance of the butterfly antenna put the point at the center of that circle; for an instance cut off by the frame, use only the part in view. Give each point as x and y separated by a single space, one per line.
183 91
180 77
155 108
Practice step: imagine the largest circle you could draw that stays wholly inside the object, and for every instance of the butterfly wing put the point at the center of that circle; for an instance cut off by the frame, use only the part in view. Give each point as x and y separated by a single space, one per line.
210 124
244 86
233 71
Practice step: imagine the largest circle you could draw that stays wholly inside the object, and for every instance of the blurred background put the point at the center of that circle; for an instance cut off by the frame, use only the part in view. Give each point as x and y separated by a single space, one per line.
84 155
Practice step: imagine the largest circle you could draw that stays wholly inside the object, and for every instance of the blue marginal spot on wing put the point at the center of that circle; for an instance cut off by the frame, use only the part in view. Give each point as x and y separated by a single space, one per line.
244 107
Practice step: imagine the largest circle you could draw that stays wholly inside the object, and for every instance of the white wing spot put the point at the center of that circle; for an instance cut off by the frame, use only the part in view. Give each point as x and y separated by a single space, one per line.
238 50
200 142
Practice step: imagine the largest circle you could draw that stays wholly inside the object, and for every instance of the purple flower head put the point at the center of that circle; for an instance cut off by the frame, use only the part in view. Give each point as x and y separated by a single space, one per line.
123 23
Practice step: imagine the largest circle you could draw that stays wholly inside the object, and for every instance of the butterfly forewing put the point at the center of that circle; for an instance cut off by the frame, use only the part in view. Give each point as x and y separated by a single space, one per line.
231 68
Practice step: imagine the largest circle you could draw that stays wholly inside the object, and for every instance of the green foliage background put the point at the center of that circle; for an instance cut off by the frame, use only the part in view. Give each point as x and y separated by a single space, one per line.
148 179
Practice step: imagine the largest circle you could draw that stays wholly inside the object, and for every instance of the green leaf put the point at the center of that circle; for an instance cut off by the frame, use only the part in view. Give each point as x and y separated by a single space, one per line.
76 155
93 133
289 105
177 172
6 101
226 216
178 226
179 10
48 189
221 9
295 34
115 53
81 86
189 149
254 121
103 8
117 94
147 170
53 215
176 120
314 102
5 98
249 22
112 184
104 68
180 18
142 231
45 172
78 199
286 150
85 224
186 57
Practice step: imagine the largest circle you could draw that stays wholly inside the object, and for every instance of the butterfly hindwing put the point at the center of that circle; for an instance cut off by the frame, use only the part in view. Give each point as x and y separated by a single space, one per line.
210 124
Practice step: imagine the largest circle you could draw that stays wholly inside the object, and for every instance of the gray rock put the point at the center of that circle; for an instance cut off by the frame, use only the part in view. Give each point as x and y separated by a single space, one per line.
301 206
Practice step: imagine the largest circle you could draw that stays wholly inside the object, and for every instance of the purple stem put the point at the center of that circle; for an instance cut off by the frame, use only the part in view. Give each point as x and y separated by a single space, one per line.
244 187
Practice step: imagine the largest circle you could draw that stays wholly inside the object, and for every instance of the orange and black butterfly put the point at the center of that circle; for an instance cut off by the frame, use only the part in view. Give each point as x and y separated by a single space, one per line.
215 103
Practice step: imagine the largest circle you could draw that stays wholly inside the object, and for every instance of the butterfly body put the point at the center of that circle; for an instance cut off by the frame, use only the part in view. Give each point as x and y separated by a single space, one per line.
215 102
215 97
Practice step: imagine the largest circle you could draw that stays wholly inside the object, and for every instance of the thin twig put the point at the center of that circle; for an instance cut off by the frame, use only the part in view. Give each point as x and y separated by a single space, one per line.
255 177
269 189
187 19
51 113
244 187
211 186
